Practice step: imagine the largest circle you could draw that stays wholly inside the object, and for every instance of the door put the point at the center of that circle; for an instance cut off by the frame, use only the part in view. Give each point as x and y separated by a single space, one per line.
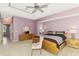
1 31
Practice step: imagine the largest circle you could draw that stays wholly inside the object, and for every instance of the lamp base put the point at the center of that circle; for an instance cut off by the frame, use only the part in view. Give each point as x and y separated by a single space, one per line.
72 36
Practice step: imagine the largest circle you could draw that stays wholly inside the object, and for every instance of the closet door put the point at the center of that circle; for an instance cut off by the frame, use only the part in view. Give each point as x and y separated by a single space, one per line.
1 31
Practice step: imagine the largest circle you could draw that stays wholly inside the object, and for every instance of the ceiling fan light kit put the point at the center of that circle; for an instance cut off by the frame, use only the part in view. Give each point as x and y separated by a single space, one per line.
35 8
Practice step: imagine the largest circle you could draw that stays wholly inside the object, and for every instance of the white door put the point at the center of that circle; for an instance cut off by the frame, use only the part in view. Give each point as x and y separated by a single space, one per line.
1 31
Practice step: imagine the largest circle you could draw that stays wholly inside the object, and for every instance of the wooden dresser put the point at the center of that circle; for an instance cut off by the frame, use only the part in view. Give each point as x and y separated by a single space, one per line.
25 36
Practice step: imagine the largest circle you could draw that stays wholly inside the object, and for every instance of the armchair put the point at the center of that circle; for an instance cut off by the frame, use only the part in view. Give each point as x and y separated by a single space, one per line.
38 45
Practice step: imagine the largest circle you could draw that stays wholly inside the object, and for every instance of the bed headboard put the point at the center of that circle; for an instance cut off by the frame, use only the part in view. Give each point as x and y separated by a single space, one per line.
54 32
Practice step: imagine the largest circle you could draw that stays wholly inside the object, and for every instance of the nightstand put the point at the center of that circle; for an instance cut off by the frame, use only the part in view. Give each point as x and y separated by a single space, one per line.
73 43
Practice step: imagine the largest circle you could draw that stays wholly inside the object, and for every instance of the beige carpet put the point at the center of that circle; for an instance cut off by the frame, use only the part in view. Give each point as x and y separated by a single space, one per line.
23 48
68 51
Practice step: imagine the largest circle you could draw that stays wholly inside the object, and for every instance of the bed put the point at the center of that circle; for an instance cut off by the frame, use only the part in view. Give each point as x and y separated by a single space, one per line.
54 42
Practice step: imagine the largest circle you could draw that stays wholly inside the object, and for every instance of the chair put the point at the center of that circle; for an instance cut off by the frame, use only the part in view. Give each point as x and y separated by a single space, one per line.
38 45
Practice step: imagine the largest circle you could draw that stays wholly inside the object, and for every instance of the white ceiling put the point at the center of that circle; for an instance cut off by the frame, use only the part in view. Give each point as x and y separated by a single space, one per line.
51 9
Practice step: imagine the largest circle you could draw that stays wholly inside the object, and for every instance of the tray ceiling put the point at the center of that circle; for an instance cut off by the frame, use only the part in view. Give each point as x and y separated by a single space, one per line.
51 9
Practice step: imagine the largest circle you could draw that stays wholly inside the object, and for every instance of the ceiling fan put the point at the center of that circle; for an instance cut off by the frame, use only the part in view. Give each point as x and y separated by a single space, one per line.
38 7
35 7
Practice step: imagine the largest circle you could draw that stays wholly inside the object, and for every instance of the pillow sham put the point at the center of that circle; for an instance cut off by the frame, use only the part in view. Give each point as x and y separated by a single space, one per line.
60 32
55 32
50 32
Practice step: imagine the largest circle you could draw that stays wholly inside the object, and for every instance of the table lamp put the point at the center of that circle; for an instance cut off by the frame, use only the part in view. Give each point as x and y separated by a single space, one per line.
41 30
73 32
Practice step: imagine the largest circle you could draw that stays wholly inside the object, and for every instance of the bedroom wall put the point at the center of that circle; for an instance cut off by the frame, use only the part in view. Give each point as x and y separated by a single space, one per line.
63 24
62 21
19 23
71 11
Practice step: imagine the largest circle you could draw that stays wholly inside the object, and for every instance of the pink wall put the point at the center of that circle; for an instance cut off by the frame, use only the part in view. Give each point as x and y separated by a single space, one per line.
64 24
19 23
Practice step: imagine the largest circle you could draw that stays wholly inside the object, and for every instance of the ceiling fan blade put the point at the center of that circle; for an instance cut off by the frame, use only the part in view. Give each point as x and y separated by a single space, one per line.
29 7
40 10
35 4
34 11
43 6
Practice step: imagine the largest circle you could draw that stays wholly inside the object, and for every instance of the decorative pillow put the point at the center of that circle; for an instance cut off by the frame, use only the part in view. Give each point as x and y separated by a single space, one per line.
60 32
50 32
55 32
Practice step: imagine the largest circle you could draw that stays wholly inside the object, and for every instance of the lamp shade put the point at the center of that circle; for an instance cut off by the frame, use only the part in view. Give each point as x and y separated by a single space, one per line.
25 28
7 20
73 30
41 29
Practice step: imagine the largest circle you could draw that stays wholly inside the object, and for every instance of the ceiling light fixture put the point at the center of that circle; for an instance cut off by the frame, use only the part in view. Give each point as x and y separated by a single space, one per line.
35 7
38 7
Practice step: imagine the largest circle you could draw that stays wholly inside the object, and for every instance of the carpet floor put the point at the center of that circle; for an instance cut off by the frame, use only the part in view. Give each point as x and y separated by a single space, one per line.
23 48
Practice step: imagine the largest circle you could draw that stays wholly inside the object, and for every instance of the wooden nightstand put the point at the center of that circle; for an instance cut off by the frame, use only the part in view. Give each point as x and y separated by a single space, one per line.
73 43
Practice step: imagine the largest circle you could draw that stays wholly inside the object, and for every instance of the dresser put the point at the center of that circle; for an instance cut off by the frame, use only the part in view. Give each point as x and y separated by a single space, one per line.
25 36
